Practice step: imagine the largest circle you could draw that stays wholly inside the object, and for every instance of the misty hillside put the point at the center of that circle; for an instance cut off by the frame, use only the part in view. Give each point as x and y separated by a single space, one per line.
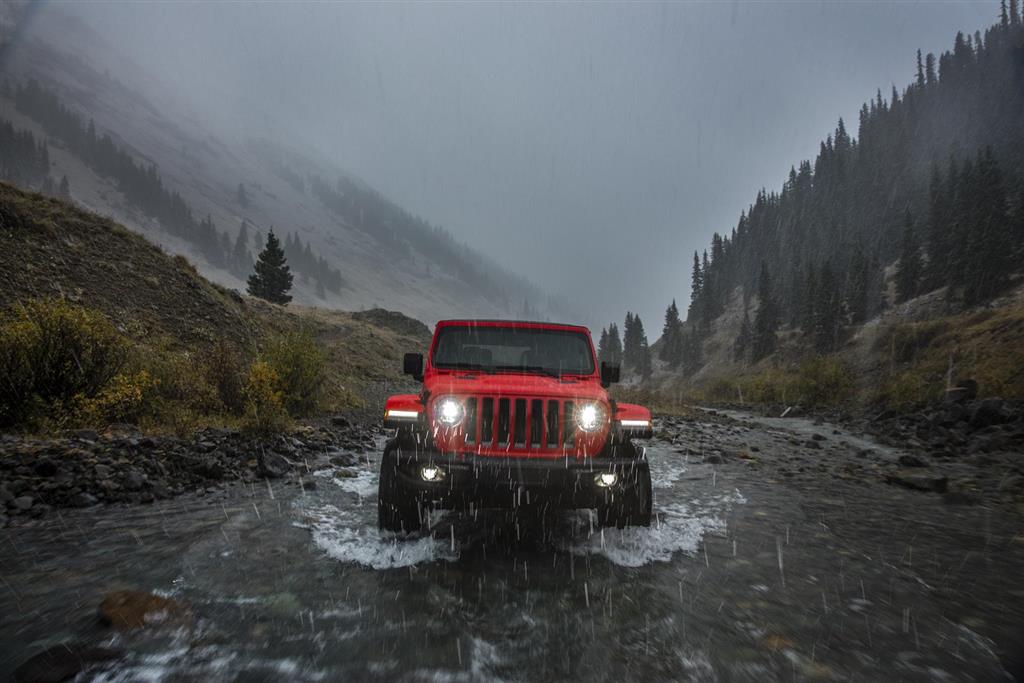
108 137
161 302
917 215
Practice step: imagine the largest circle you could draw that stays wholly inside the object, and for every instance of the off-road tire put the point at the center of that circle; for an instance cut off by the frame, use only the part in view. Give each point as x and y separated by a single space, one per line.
631 505
397 507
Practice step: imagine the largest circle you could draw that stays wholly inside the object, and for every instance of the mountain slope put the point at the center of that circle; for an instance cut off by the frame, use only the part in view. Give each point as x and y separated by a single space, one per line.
49 248
381 254
919 217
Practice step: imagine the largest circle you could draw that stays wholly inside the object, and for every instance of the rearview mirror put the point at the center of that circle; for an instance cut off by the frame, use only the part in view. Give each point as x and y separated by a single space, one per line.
412 364
609 374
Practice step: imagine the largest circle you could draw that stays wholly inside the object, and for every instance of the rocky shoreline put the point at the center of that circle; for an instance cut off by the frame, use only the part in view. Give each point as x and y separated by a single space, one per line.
960 426
83 468
967 451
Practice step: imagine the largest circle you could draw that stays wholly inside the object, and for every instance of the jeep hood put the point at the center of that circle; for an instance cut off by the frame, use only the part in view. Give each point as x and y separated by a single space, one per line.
514 384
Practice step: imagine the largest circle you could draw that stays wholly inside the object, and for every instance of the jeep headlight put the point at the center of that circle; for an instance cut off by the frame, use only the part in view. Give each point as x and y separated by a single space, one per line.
589 416
449 411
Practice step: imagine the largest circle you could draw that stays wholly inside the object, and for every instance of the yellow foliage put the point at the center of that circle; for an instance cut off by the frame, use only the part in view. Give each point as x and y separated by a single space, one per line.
126 398
264 404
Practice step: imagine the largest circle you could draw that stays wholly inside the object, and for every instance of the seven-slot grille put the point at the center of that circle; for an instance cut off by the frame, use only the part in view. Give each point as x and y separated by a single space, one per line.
519 423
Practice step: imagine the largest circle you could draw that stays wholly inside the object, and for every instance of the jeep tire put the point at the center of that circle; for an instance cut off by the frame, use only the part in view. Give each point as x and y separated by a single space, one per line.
397 507
630 505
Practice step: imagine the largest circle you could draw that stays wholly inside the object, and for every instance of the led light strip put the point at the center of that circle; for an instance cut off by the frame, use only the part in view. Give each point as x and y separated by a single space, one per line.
404 414
635 423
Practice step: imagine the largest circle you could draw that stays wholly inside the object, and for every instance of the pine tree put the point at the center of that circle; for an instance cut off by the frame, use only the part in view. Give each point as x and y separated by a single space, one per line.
1014 13
929 69
707 292
696 286
920 71
602 346
988 262
671 336
240 251
741 347
272 278
908 268
1004 18
645 358
692 353
65 187
766 320
614 345
630 343
828 312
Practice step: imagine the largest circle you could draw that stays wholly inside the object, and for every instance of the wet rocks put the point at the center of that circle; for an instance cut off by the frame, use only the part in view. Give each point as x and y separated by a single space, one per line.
918 481
911 460
62 663
273 465
128 610
84 468
991 411
22 503
963 425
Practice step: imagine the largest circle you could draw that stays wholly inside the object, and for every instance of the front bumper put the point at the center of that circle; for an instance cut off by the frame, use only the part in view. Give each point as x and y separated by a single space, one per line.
467 480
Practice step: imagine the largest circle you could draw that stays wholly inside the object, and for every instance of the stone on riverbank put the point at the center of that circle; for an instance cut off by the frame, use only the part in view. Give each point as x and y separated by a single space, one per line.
128 610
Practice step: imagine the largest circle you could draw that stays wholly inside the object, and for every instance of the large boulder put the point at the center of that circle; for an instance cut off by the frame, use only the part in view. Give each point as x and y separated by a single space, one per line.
128 610
273 465
990 411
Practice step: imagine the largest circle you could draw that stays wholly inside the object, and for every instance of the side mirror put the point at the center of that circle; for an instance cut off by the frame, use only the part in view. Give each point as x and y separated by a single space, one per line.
609 374
412 364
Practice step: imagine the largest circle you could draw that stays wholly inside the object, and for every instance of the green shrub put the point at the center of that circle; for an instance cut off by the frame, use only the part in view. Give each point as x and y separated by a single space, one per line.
52 355
180 380
298 364
903 343
264 405
823 381
224 373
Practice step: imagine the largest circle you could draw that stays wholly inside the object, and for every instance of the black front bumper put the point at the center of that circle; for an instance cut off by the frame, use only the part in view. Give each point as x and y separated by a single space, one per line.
508 482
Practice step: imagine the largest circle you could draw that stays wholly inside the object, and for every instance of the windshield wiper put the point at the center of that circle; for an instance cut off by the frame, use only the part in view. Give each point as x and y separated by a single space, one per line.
557 374
465 366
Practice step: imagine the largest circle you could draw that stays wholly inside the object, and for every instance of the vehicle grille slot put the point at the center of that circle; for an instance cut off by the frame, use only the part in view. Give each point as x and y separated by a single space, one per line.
503 420
519 422
486 420
536 421
568 424
552 426
471 420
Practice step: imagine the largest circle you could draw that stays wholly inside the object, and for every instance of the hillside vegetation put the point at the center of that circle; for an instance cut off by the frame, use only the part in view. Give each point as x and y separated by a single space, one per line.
181 350
909 235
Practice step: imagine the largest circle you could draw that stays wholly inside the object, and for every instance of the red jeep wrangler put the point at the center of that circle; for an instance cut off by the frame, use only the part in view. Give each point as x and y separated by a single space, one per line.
512 414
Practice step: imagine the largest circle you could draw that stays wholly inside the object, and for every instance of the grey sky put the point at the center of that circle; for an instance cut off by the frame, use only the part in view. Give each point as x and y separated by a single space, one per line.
591 148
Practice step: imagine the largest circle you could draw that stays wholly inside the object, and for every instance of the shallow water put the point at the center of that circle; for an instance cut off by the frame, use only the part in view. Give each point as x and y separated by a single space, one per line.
737 579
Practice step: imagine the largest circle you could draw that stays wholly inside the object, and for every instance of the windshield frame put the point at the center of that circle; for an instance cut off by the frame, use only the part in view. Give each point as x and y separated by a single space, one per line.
539 328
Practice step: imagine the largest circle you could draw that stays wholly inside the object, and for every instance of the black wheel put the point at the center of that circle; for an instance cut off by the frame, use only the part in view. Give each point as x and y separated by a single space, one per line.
397 508
630 505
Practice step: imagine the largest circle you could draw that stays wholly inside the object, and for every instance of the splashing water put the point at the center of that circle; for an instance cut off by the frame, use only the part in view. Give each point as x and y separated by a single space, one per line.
345 536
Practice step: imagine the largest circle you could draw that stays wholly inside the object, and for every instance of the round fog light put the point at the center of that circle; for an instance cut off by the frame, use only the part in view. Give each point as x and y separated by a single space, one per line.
606 479
431 473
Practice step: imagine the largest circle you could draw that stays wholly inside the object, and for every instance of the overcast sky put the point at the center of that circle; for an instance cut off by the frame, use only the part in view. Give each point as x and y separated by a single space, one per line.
591 148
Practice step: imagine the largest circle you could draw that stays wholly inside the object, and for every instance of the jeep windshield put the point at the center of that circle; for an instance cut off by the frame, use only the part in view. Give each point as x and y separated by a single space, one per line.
513 349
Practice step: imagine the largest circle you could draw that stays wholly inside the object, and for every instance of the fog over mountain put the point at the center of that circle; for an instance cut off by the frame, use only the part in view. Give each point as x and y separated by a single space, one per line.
589 148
